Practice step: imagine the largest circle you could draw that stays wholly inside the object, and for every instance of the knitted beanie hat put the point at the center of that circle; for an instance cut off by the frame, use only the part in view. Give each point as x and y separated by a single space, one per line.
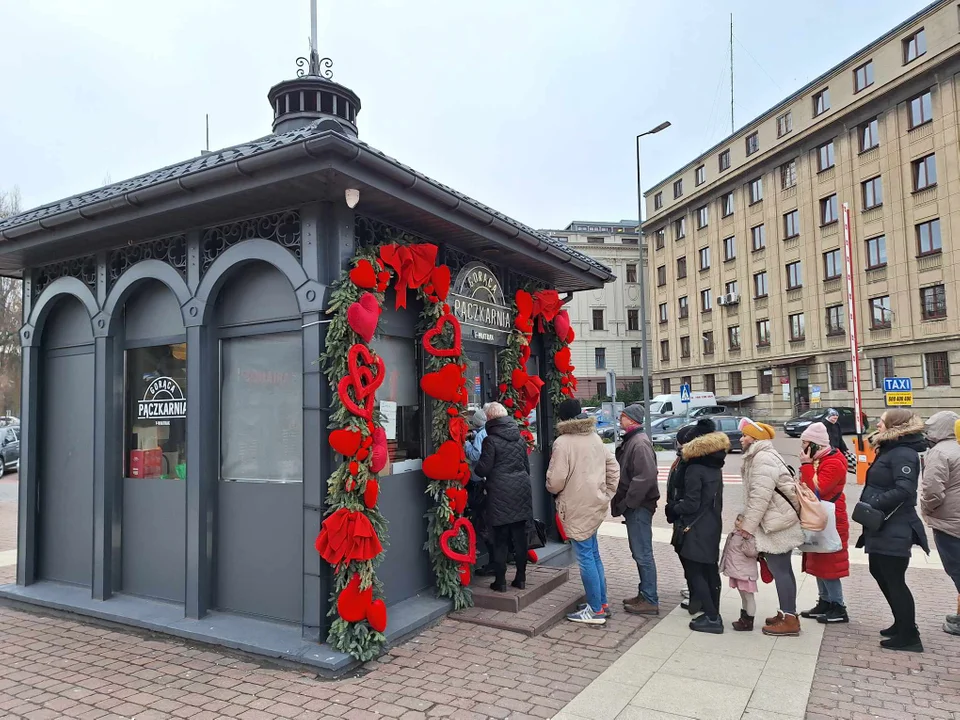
758 431
817 434
568 409
704 426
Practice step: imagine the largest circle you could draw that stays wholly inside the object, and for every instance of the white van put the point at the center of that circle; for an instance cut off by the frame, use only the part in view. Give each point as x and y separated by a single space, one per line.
671 405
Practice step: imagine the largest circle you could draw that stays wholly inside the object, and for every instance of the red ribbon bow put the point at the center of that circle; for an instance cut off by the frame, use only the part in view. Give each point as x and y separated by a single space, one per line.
413 265
347 535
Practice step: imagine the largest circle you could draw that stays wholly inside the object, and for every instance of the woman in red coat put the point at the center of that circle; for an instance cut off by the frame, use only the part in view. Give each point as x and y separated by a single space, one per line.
824 470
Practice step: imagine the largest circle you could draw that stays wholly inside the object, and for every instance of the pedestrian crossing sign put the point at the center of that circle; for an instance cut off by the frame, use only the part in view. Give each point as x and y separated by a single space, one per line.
684 393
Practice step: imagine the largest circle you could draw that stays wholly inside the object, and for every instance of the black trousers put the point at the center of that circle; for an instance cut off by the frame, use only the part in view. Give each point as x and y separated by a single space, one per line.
503 535
891 575
704 582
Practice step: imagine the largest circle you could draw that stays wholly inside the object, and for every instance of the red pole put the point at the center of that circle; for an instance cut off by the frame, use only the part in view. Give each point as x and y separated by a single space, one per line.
852 317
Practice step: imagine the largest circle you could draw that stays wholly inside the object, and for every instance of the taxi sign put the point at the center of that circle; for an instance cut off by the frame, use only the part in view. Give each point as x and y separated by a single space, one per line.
899 399
897 385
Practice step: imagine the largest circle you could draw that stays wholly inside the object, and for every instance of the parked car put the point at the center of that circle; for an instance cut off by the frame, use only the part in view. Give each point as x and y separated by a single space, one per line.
9 448
795 426
730 426
663 430
708 410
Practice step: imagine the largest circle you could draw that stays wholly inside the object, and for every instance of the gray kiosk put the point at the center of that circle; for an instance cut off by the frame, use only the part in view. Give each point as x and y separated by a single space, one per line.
174 414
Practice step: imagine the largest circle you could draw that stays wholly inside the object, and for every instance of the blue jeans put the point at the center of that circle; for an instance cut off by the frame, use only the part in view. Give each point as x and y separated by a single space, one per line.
830 590
640 536
591 571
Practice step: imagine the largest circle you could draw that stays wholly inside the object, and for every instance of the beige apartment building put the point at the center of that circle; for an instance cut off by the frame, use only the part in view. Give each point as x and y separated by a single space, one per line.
606 321
748 292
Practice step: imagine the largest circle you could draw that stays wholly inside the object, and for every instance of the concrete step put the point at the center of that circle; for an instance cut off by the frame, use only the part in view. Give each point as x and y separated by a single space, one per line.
540 581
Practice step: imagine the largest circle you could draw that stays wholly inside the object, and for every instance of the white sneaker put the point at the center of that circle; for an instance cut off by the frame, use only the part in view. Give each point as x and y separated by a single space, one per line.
586 616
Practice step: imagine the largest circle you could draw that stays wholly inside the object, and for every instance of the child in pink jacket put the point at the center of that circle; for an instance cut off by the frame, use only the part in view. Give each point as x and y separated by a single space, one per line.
739 563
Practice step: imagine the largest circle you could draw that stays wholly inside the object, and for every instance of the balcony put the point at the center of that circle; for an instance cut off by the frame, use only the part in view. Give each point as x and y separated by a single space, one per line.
925 196
881 333
930 262
921 132
871 155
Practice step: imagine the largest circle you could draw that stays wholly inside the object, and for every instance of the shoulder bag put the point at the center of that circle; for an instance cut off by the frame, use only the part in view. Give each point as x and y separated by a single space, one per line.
680 531
871 518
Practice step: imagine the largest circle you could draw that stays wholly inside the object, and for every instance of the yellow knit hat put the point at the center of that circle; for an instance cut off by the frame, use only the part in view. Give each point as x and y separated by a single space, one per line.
956 430
758 431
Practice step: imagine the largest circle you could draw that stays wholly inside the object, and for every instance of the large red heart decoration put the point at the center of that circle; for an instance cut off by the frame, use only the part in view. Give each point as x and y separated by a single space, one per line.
464 574
379 454
377 615
458 499
440 277
444 464
561 360
370 493
364 276
571 336
519 378
524 304
458 429
352 603
346 442
362 380
464 475
561 324
524 354
523 324
459 524
363 316
437 331
446 384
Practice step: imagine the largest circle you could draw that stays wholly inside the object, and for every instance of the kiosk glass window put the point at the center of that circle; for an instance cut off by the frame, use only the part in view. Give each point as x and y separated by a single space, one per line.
156 412
261 409
398 400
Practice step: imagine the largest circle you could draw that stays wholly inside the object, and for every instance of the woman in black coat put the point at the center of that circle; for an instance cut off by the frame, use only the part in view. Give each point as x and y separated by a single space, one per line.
891 488
698 516
505 465
835 432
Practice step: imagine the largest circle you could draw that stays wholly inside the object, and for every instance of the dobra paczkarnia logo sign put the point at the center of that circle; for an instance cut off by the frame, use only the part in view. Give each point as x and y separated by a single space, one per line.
479 304
163 400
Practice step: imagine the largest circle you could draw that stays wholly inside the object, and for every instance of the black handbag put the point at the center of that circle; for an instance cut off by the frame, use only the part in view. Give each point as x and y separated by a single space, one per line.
871 518
536 535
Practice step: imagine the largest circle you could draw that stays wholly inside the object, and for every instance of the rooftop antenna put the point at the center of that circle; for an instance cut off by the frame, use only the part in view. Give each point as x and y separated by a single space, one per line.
208 132
315 62
732 126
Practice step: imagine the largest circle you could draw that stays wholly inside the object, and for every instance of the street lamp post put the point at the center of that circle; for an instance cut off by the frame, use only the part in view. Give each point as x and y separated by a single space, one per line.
644 353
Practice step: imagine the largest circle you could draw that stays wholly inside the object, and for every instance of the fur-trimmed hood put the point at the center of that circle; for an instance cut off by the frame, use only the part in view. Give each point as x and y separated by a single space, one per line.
577 426
704 445
894 434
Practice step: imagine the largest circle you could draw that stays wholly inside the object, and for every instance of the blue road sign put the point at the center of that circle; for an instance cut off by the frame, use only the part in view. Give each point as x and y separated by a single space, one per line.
897 384
684 393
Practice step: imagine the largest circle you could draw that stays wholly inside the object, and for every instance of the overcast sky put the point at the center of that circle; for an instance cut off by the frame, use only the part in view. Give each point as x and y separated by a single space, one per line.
530 106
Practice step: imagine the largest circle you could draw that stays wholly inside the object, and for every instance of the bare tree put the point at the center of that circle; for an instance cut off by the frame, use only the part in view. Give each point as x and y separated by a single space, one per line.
11 307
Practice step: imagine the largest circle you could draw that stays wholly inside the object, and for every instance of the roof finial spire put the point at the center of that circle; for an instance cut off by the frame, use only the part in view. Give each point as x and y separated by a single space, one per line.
316 65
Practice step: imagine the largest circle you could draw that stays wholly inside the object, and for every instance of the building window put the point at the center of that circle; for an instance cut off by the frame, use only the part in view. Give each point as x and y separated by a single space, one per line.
706 302
796 327
736 383
933 302
756 190
763 333
937 368
156 418
662 312
726 205
788 174
724 160
261 408
914 46
700 175
753 143
631 273
683 308
708 343
678 188
794 276
876 252
731 288
784 124
598 319
881 316
665 386
636 358
921 110
703 217
832 265
758 238
664 350
765 381
733 337
863 76
658 201
828 210
928 238
595 240
685 346
729 249
600 357
633 319
681 267
660 238
710 383
705 258
821 102
791 224
835 320
826 158
882 368
869 135
760 285
838 375
680 228
924 172
872 193
661 276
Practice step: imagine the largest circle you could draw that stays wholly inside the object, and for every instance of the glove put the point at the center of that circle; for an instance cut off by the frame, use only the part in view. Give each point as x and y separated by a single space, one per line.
670 513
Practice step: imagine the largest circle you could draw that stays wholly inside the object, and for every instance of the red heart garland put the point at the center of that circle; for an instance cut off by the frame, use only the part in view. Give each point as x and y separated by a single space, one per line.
444 464
352 603
524 354
361 380
458 499
561 360
458 429
464 475
440 278
446 384
370 493
561 325
437 330
379 454
524 304
459 524
363 316
519 378
464 574
377 615
364 276
346 442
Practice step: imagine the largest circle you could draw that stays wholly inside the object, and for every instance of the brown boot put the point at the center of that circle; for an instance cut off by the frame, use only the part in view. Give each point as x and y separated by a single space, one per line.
633 600
745 623
774 620
642 608
789 626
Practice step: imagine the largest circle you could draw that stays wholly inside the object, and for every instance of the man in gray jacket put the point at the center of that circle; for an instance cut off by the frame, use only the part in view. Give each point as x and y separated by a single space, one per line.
636 500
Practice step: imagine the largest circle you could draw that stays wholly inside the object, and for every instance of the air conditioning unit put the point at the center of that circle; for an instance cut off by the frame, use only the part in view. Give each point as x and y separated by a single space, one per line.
722 299
731 299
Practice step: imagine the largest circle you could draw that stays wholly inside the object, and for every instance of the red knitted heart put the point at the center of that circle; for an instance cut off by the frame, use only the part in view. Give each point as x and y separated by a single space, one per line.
346 441
364 276
561 360
437 330
519 378
561 324
458 499
524 304
380 455
361 380
458 429
524 354
440 278
370 493
377 615
571 336
352 603
459 524
446 384
363 316
464 574
444 464
532 556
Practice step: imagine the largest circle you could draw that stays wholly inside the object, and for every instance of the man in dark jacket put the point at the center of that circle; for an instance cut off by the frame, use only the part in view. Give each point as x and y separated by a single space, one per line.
505 465
636 500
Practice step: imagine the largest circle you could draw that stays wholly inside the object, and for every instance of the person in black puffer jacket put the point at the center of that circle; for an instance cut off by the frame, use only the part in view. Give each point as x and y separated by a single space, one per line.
891 488
505 465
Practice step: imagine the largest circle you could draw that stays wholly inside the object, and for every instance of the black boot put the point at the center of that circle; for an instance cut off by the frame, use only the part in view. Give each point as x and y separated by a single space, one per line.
817 611
836 613
890 631
909 642
499 585
706 625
